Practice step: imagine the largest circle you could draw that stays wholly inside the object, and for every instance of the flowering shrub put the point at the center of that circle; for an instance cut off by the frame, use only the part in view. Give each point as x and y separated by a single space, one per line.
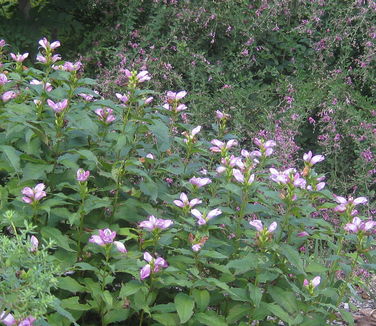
207 232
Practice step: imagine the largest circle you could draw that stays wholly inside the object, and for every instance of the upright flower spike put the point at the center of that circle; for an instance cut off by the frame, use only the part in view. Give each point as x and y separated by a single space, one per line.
358 225
58 107
311 160
19 57
348 204
266 147
199 182
155 223
105 115
34 195
264 234
47 45
311 285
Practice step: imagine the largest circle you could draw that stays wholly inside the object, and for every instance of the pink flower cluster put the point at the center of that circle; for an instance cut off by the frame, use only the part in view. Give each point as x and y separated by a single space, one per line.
155 223
358 225
105 115
8 320
173 101
33 195
202 219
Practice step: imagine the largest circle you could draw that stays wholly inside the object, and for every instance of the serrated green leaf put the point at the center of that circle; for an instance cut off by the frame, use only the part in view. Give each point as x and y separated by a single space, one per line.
69 284
184 306
202 299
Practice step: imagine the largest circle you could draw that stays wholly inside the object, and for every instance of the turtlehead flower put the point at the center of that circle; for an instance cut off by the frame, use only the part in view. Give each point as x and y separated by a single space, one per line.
86 97
184 201
222 116
105 115
9 95
150 156
69 66
202 219
47 45
282 177
122 97
358 225
155 223
221 147
154 266
312 160
175 97
33 195
257 224
2 43
19 57
197 247
34 243
149 100
311 285
199 182
58 107
266 147
140 77
46 86
179 108
7 319
3 79
82 175
303 234
239 176
190 136
299 182
106 237
344 203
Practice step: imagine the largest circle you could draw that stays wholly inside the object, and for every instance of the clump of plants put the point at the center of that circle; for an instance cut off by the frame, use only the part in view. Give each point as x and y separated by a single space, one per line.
159 222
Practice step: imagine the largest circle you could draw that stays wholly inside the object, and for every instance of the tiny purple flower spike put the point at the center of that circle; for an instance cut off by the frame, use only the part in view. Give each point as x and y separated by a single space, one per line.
184 202
33 195
29 321
34 243
58 107
199 182
155 223
82 175
19 57
105 115
120 247
7 319
312 160
9 95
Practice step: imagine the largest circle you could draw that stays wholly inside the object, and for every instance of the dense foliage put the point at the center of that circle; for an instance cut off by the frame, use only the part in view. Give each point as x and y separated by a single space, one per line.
156 221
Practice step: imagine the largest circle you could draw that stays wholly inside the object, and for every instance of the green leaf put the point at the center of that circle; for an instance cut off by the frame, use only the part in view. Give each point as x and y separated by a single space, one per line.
237 312
161 132
56 304
12 155
285 299
315 268
292 256
150 189
130 288
347 317
243 265
166 319
184 305
210 318
212 254
255 294
202 299
116 315
35 171
164 308
73 304
69 284
61 240
279 312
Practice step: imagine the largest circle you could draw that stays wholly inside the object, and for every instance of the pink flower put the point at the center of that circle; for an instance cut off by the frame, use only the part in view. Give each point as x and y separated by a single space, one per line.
221 116
82 175
238 175
47 45
150 156
19 57
120 247
2 43
196 247
27 321
7 319
143 76
199 182
313 283
155 223
58 107
9 95
69 66
149 100
122 97
358 225
175 97
184 202
154 266
106 236
281 177
34 243
257 224
46 86
105 115
86 97
3 79
303 234
220 147
346 203
202 219
312 160
32 195
266 147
